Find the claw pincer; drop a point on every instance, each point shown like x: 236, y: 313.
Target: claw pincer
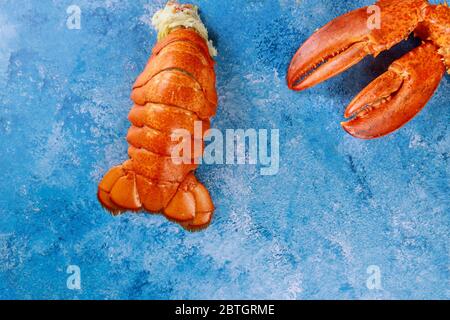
x: 398, y: 95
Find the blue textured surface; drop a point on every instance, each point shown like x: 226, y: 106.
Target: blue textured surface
x: 337, y: 206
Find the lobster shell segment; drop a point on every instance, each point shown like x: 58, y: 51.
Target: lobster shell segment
x: 185, y: 51
x: 436, y: 28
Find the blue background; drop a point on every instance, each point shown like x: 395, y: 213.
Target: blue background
x: 337, y: 206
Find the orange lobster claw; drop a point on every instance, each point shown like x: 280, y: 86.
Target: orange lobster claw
x: 397, y: 96
x: 346, y: 40
x: 331, y: 50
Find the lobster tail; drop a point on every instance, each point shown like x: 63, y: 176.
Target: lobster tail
x: 174, y: 92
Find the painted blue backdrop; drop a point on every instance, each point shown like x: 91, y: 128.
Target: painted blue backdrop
x: 338, y: 205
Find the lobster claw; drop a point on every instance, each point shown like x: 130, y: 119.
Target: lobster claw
x: 331, y: 50
x: 397, y: 96
x: 346, y: 40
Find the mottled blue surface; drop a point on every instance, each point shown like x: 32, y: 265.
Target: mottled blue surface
x: 337, y: 206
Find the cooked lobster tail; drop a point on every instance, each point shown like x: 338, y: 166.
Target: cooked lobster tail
x: 176, y: 90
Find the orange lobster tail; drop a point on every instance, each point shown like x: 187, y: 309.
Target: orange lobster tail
x: 176, y: 89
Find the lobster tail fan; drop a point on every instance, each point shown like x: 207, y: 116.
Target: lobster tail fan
x: 117, y: 191
x: 192, y: 205
x: 189, y: 204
